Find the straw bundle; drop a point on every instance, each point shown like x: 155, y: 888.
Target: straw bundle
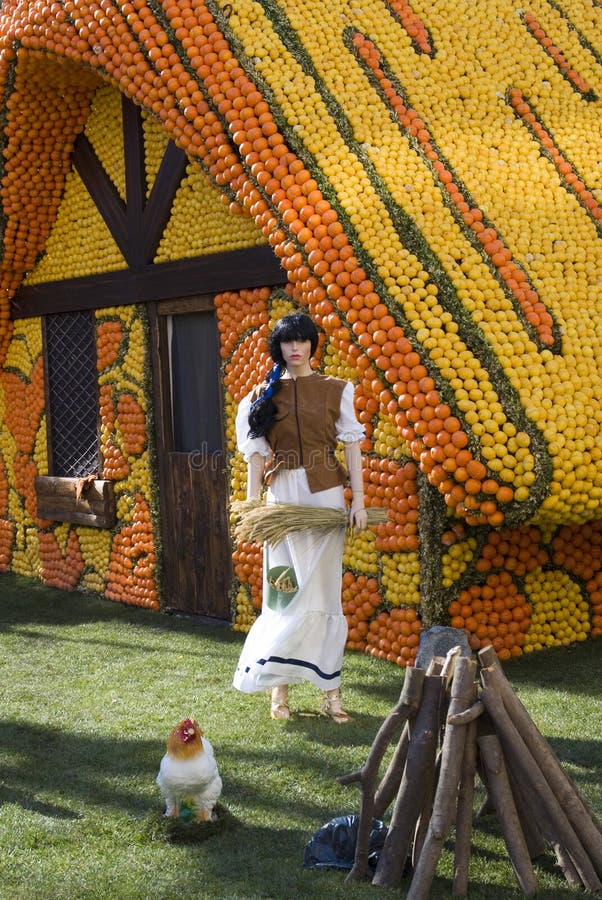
x: 258, y: 522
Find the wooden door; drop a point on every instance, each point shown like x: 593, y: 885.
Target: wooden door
x: 193, y: 478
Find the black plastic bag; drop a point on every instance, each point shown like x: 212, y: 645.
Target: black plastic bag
x: 333, y: 845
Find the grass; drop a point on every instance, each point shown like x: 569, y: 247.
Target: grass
x: 90, y: 692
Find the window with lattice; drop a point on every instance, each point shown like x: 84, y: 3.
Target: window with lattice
x: 72, y: 394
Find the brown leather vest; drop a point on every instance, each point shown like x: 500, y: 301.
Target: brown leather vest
x: 304, y: 434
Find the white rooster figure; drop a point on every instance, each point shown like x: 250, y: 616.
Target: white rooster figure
x: 188, y: 773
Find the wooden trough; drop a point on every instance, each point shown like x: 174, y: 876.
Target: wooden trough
x: 449, y: 728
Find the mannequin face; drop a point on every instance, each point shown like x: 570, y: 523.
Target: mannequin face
x: 296, y: 355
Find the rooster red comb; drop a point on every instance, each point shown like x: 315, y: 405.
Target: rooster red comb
x: 187, y: 729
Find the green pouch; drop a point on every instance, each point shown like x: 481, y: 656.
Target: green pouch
x: 282, y: 586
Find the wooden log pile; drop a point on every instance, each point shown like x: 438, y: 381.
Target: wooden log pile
x: 450, y: 728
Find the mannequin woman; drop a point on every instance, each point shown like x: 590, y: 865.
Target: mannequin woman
x: 293, y: 423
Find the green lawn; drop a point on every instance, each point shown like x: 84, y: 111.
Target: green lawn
x: 90, y: 690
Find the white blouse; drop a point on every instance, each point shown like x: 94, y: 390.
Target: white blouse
x: 348, y: 429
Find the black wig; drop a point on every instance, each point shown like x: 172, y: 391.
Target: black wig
x: 294, y: 327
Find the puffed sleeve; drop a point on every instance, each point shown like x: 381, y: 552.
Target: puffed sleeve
x: 348, y: 429
x: 248, y: 445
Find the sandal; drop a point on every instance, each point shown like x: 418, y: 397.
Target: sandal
x: 332, y: 707
x: 279, y: 708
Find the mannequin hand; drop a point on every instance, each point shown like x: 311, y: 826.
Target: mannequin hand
x: 358, y: 517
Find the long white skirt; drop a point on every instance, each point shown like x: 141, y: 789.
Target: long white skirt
x: 304, y: 641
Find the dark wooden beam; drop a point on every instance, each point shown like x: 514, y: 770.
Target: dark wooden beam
x: 247, y: 268
x: 135, y: 179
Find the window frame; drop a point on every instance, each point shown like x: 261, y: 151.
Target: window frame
x: 86, y: 498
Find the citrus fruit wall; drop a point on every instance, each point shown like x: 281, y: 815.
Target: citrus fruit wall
x: 429, y: 176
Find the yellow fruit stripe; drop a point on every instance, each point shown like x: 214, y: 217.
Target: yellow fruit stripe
x: 570, y: 31
x: 280, y: 307
x: 386, y: 440
x: 138, y: 477
x: 401, y: 578
x: 360, y: 553
x: 238, y: 476
x: 95, y: 546
x: 244, y: 613
x: 133, y: 366
x: 8, y: 449
x: 156, y: 140
x: 537, y: 239
x: 80, y: 242
x: 61, y: 534
x: 474, y: 283
x: 230, y: 408
x: 587, y: 17
x: 25, y: 347
x: 520, y: 170
x: 40, y: 450
x: 455, y: 562
x: 25, y: 560
x: 16, y: 512
x: 560, y: 613
x: 200, y: 223
x: 335, y: 364
x: 105, y: 133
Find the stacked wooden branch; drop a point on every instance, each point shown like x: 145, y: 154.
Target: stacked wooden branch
x: 448, y: 728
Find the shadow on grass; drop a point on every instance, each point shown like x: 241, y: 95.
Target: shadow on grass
x: 82, y: 769
x: 580, y: 664
x: 175, y: 831
x: 20, y: 798
x: 135, y: 645
x: 320, y: 729
x: 586, y: 756
x: 26, y: 601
